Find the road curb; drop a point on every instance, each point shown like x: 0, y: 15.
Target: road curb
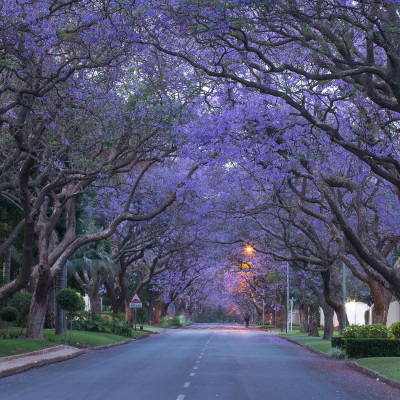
x: 373, y: 374
x: 28, y: 360
x: 39, y: 362
x: 351, y: 364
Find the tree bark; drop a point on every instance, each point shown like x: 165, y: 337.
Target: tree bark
x: 37, y: 312
x: 313, y: 320
x: 61, y: 316
x: 303, y: 311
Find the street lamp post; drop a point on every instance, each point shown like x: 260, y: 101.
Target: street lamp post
x: 287, y: 295
x: 263, y: 311
x: 344, y: 295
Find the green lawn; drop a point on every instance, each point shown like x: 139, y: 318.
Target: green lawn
x: 386, y: 366
x: 315, y: 342
x: 10, y: 347
x: 78, y: 338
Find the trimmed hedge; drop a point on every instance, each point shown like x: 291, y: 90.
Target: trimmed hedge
x: 338, y: 342
x: 370, y: 347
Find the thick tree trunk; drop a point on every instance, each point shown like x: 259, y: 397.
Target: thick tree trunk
x: 333, y: 293
x: 7, y: 267
x: 95, y: 306
x: 381, y: 298
x: 313, y: 320
x: 37, y: 312
x: 61, y: 316
x: 303, y: 311
x: 50, y: 320
x: 328, y: 324
x: 116, y: 304
x: 128, y: 313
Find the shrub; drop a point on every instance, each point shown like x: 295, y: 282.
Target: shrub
x: 358, y: 348
x: 337, y: 342
x: 336, y: 352
x: 86, y: 321
x: 366, y: 331
x: 22, y: 302
x: 70, y: 300
x: 395, y: 330
x: 9, y: 314
x: 353, y: 331
x: 376, y: 331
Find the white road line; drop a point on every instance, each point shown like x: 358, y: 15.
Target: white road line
x: 195, y: 367
x: 186, y: 385
x: 180, y: 397
x: 192, y: 374
x: 197, y: 362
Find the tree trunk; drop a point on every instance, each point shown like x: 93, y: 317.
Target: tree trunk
x: 50, y: 320
x: 328, y: 325
x: 116, y: 305
x: 128, y: 313
x: 37, y: 312
x: 381, y: 298
x: 95, y: 306
x: 303, y: 311
x: 61, y: 316
x: 313, y: 320
x: 7, y: 267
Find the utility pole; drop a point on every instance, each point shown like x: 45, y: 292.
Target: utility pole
x: 344, y: 294
x: 287, y: 295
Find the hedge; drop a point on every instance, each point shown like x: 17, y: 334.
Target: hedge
x: 371, y: 347
x: 338, y: 342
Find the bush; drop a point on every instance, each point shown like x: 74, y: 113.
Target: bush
x: 359, y: 348
x: 86, y: 321
x: 70, y: 300
x: 376, y: 331
x: 22, y: 302
x: 366, y: 331
x: 9, y: 314
x: 173, y: 321
x: 395, y: 330
x: 353, y: 331
x: 337, y: 342
x: 336, y: 352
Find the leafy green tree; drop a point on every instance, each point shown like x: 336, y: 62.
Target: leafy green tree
x: 8, y: 314
x: 71, y: 302
x: 22, y: 302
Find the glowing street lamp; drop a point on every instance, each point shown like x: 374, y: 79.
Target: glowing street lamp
x: 249, y: 249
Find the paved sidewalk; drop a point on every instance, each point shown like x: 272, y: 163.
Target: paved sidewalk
x: 15, y: 364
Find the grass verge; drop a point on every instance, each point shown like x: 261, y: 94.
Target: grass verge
x: 386, y: 366
x: 305, y: 340
x: 9, y: 347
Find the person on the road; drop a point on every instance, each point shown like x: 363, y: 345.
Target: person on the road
x: 247, y: 319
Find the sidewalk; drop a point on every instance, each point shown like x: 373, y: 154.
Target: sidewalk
x: 15, y: 364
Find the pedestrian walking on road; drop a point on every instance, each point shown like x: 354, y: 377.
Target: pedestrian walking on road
x: 247, y: 319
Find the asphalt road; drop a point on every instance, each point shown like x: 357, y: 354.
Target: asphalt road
x: 202, y: 362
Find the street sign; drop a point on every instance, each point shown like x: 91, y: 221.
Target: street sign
x: 135, y: 305
x: 135, y: 298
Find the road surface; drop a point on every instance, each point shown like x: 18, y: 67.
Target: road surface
x: 202, y: 362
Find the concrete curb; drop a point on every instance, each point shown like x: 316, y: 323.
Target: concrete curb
x: 351, y: 364
x: 373, y: 374
x: 23, y: 362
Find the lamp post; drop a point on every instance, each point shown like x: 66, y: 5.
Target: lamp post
x: 263, y: 311
x: 344, y: 295
x: 287, y: 295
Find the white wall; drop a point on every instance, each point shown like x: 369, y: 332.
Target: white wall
x: 355, y: 313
